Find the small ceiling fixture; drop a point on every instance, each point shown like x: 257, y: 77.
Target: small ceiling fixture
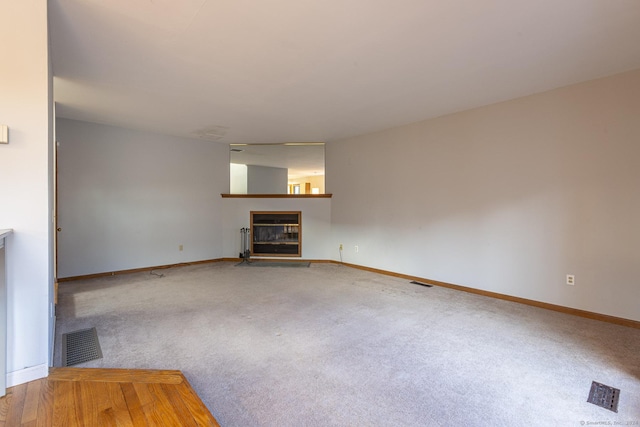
x: 212, y: 133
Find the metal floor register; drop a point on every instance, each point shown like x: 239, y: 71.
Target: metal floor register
x: 80, y: 346
x: 604, y: 396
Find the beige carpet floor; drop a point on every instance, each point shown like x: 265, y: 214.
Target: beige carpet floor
x: 334, y: 346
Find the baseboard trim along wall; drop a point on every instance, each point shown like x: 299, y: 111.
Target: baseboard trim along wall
x: 181, y: 264
x: 28, y: 374
x: 139, y: 270
x: 559, y: 308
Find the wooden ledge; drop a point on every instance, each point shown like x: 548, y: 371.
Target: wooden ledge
x: 148, y: 376
x: 277, y: 196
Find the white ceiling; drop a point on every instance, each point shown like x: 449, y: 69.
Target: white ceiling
x: 238, y: 71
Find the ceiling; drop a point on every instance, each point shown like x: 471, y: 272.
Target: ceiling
x: 238, y: 71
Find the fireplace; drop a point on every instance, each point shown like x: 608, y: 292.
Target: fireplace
x: 276, y: 233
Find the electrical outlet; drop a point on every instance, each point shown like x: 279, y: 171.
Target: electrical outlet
x: 180, y: 248
x: 571, y: 279
x: 357, y: 249
x: 340, y: 246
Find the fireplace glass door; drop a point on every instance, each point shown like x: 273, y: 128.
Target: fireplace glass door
x: 276, y: 233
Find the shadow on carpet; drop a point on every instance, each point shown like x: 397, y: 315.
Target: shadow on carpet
x: 273, y: 264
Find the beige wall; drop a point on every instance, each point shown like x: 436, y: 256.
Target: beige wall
x: 506, y: 198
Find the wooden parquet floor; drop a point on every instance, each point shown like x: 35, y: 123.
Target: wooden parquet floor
x: 86, y: 397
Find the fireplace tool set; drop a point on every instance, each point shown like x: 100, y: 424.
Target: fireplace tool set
x: 245, y: 243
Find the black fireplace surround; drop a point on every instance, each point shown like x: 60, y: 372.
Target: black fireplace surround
x: 276, y: 233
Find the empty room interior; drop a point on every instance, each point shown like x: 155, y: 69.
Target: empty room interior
x: 323, y: 213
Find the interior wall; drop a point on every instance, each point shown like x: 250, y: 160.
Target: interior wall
x: 238, y: 178
x: 266, y: 180
x: 129, y: 199
x: 316, y: 222
x: 506, y: 198
x: 24, y: 185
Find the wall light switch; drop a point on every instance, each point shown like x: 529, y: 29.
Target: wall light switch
x: 4, y: 134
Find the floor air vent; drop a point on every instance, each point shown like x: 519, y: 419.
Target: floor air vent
x: 421, y: 284
x: 80, y: 346
x: 604, y: 396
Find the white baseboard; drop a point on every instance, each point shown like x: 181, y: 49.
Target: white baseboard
x: 52, y: 339
x: 28, y: 374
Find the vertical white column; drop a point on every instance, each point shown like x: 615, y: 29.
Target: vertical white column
x: 3, y: 318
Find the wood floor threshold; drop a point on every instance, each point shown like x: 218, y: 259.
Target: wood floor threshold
x: 104, y: 397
